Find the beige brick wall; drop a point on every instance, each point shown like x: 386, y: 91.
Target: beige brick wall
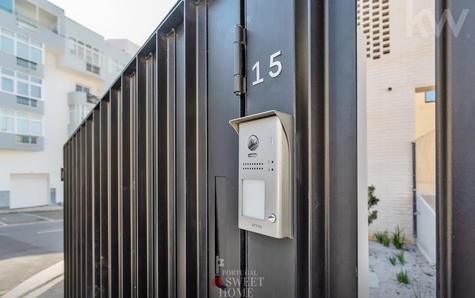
x: 391, y: 114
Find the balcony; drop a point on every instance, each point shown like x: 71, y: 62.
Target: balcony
x: 43, y: 24
x: 77, y: 98
x: 80, y: 103
x: 33, y: 24
x: 74, y: 63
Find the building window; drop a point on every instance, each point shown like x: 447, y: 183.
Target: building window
x: 92, y: 68
x: 430, y: 96
x: 21, y: 46
x: 72, y: 46
x: 27, y: 101
x: 7, y: 84
x: 26, y: 63
x: 90, y: 55
x: 84, y: 89
x: 7, y: 41
x: 6, y: 5
x: 22, y: 50
x: 20, y: 84
x: 22, y: 88
x: 7, y: 121
x: 17, y: 122
x: 26, y: 139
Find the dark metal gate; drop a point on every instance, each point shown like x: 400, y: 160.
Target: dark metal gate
x: 151, y: 175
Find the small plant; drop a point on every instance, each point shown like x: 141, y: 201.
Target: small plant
x: 392, y: 260
x: 400, y: 257
x: 379, y: 237
x: 382, y: 238
x: 372, y: 202
x: 386, y: 242
x: 402, y: 277
x: 398, y: 238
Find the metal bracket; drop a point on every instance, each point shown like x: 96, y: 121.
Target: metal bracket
x: 219, y: 263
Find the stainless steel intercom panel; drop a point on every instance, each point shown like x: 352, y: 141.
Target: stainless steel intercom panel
x: 265, y: 188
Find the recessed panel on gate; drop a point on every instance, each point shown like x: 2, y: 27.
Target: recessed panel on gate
x: 270, y: 61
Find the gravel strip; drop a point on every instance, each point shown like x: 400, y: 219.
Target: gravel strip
x: 383, y: 281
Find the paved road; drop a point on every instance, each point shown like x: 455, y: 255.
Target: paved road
x: 29, y: 243
x: 56, y: 291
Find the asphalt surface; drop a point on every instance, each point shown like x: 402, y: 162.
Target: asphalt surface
x: 29, y: 243
x: 56, y: 291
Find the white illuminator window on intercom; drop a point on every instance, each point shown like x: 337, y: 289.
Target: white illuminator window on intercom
x: 265, y: 188
x: 254, y: 198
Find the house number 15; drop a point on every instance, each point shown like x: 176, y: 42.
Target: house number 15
x: 275, y: 67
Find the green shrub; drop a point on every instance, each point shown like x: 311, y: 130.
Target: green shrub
x: 383, y: 238
x: 372, y: 201
x: 400, y: 257
x: 398, y: 238
x: 402, y: 277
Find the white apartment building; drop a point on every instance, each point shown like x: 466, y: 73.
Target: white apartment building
x: 400, y: 48
x: 52, y: 70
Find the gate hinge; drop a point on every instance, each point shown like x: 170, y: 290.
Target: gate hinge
x: 62, y: 174
x: 239, y: 48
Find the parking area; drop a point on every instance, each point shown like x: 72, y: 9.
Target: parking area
x: 29, y: 217
x: 30, y: 241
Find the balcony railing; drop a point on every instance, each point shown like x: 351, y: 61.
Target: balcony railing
x: 92, y: 99
x: 34, y: 24
x: 80, y: 98
x: 26, y: 20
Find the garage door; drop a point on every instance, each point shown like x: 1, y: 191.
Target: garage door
x: 28, y: 190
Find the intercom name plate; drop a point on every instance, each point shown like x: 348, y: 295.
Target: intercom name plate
x: 265, y: 192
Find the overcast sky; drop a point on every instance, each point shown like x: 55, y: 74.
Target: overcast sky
x: 131, y: 19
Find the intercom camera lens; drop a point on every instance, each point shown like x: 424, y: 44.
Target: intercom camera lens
x: 253, y: 142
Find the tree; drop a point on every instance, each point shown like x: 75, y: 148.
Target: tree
x: 372, y: 202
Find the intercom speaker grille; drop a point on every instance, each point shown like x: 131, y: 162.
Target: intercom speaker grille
x: 253, y: 166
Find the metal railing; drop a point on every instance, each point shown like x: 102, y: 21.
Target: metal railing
x: 34, y: 24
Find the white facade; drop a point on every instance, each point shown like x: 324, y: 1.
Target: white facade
x: 44, y: 95
x: 393, y: 77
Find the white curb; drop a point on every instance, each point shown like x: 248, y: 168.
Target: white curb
x: 42, y: 289
x: 36, y: 281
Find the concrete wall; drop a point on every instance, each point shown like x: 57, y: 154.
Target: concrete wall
x: 426, y: 220
x: 391, y: 114
x: 363, y: 248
